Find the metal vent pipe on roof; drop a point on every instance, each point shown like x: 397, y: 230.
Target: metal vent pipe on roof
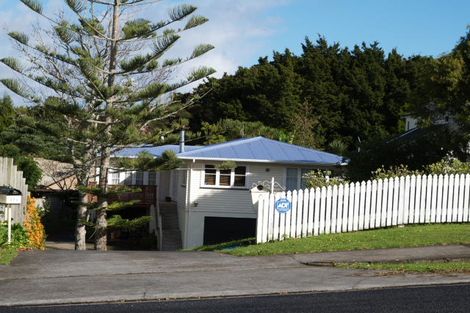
x: 182, y: 141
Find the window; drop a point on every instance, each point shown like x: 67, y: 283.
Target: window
x: 224, y: 177
x: 152, y: 178
x: 292, y: 179
x: 139, y: 178
x: 115, y: 178
x: 240, y: 176
x: 183, y: 178
x: 210, y: 175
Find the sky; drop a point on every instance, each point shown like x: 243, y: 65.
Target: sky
x: 244, y: 30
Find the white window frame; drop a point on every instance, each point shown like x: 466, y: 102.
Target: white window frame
x: 217, y: 178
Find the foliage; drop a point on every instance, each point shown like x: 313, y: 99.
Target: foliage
x: 393, y: 171
x: 449, y: 165
x: 7, y: 112
x: 19, y: 236
x: 7, y: 254
x: 226, y: 165
x: 325, y: 93
x: 34, y: 226
x: 320, y: 178
x: 229, y: 129
x: 440, y: 267
x: 415, y: 149
x: 117, y: 222
x: 395, y: 237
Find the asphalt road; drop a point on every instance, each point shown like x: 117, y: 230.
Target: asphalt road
x: 443, y: 298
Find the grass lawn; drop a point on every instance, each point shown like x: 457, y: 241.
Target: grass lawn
x: 413, y: 267
x: 7, y: 254
x: 396, y: 237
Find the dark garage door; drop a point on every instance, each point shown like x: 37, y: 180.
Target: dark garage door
x: 224, y: 229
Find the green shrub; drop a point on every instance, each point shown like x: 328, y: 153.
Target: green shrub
x: 394, y: 171
x: 449, y: 165
x: 319, y: 178
x: 19, y: 235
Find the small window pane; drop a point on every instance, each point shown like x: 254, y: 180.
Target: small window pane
x: 291, y: 179
x: 239, y: 181
x: 152, y: 178
x: 210, y: 169
x: 240, y: 170
x: 224, y: 180
x: 209, y: 176
x: 139, y: 178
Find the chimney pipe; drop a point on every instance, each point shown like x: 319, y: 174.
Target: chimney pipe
x: 182, y: 141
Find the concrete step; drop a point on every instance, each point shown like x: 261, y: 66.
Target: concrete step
x: 171, y: 240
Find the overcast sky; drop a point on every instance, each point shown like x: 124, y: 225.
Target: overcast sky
x: 244, y: 30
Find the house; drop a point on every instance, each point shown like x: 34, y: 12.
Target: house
x: 213, y: 203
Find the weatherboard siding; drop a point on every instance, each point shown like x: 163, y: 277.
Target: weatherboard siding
x: 222, y: 202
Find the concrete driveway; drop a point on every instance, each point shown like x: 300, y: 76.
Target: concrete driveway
x: 61, y: 276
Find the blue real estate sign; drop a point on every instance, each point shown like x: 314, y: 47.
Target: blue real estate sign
x: 283, y: 205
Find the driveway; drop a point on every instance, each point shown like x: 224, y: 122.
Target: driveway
x: 61, y: 276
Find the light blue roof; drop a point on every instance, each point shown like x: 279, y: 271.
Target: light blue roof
x: 132, y: 152
x: 260, y: 149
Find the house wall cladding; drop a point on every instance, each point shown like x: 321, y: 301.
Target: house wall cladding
x: 366, y: 205
x: 223, y: 202
x: 11, y: 176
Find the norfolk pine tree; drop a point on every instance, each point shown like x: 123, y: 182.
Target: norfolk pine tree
x: 107, y: 74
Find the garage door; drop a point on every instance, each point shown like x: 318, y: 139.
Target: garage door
x: 224, y: 229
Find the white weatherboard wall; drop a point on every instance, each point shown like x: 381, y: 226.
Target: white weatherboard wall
x: 220, y: 202
x: 366, y: 205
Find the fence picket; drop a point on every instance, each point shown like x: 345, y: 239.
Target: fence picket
x: 440, y: 190
x: 379, y: 203
x: 401, y: 200
x: 293, y: 214
x: 339, y: 214
x: 362, y: 206
x: 406, y: 203
x: 466, y: 205
x: 373, y: 204
x: 334, y: 208
x: 357, y: 195
x: 455, y: 205
x: 328, y: 210
x: 311, y: 212
x: 434, y: 185
x: 298, y: 224
x: 322, y: 210
x: 304, y: 230
x: 345, y: 213
x: 383, y: 214
x: 316, y: 220
x: 461, y: 197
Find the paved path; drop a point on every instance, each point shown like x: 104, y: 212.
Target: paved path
x: 61, y: 276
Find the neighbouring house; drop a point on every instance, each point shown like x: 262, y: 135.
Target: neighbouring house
x: 204, y: 202
x: 57, y: 193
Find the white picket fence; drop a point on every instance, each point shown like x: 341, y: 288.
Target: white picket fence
x: 365, y: 205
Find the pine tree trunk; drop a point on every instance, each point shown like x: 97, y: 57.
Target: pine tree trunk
x: 101, y: 223
x: 80, y: 230
x: 101, y: 232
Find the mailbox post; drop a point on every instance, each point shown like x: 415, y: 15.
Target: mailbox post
x: 9, y: 196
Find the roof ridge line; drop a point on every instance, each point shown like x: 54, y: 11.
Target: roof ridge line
x: 217, y: 145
